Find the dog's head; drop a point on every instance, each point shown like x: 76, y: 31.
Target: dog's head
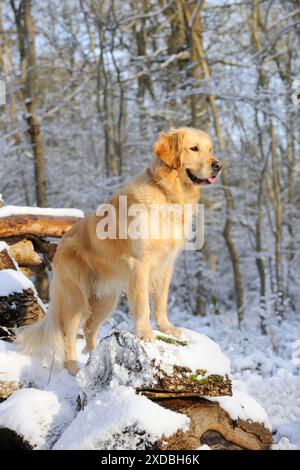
x: 190, y: 153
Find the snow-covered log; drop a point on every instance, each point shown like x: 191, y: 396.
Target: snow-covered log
x: 19, y: 302
x: 33, y: 419
x: 206, y: 416
x: 193, y: 365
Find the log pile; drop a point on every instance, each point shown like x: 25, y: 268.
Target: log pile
x: 32, y: 235
x: 177, y: 388
x: 123, y: 364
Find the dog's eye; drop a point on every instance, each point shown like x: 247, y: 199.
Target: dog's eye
x: 194, y: 149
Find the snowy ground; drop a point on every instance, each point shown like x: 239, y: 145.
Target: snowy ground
x: 267, y: 370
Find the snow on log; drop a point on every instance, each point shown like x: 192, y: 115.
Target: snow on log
x: 9, y: 210
x: 33, y: 419
x: 119, y: 419
x: 19, y: 302
x: 193, y: 365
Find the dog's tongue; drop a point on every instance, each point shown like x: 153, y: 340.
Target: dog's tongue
x: 212, y: 179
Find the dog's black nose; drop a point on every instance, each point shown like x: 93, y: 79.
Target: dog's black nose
x: 216, y: 165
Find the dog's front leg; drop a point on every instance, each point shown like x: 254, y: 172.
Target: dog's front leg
x: 160, y: 284
x: 138, y: 298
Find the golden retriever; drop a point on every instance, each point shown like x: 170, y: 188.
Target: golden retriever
x: 90, y: 272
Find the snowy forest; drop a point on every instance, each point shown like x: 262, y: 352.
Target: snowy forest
x: 89, y: 84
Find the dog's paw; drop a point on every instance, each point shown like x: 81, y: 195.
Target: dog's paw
x: 170, y: 330
x: 72, y: 367
x: 147, y: 336
x: 85, y: 350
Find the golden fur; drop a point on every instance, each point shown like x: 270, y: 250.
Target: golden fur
x: 89, y: 274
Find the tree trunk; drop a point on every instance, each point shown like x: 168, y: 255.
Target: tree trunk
x: 31, y: 106
x: 227, y: 192
x: 278, y: 224
x: 6, y: 63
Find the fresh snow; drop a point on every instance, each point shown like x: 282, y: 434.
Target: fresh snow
x: 26, y: 210
x: 241, y: 405
x: 200, y: 352
x: 106, y: 421
x: 12, y: 281
x: 3, y: 246
x: 38, y: 415
x: 124, y: 360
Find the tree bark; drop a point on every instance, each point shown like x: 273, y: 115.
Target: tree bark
x: 227, y: 192
x: 31, y: 106
x: 36, y: 225
x: 17, y: 308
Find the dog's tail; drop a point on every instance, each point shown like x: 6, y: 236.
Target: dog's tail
x: 42, y: 338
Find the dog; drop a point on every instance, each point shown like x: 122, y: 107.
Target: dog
x: 91, y: 272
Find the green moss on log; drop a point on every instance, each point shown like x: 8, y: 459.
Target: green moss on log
x: 166, y: 339
x: 194, y: 378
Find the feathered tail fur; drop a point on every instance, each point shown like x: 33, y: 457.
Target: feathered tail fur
x: 43, y: 337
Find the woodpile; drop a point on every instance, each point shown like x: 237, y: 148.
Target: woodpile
x: 122, y: 362
x: 33, y: 237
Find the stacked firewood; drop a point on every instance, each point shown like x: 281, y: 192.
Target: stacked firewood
x: 28, y: 243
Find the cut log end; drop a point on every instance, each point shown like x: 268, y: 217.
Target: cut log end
x: 206, y: 416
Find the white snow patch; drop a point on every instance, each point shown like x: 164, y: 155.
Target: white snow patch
x: 12, y: 281
x: 285, y: 444
x: 200, y: 352
x: 241, y: 405
x: 102, y: 423
x: 4, y: 246
x: 38, y: 415
x: 29, y: 371
x: 26, y: 210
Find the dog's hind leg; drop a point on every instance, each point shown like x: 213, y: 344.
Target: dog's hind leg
x: 71, y: 307
x: 100, y: 309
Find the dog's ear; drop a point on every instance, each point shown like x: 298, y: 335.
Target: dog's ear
x: 168, y: 148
